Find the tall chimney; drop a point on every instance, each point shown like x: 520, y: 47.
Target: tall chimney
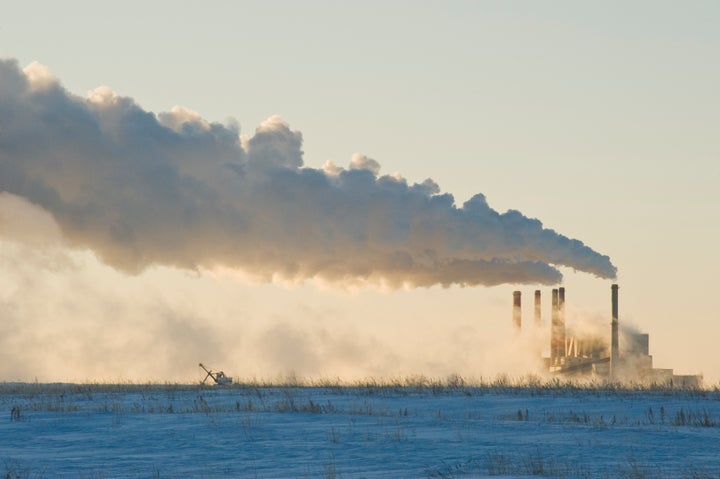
x: 517, y: 310
x: 614, y: 349
x: 554, y: 328
x: 538, y: 311
x: 561, y: 322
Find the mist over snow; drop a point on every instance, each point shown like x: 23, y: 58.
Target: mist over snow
x: 140, y: 189
x: 67, y: 317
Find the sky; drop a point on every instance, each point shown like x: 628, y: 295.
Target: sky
x: 351, y: 189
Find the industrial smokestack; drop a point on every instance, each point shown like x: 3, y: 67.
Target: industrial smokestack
x: 554, y: 328
x: 561, y: 322
x: 538, y: 311
x: 517, y: 310
x: 614, y: 344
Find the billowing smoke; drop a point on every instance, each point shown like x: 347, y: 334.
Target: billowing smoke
x: 140, y: 189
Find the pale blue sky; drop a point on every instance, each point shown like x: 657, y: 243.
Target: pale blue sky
x: 600, y: 119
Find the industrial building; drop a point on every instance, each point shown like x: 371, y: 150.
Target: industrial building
x: 622, y: 357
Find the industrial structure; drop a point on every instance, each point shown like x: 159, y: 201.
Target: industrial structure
x: 593, y: 355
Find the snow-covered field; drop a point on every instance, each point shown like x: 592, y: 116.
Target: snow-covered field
x: 98, y: 431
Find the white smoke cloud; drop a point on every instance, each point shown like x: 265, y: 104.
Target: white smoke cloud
x: 39, y: 76
x: 362, y: 162
x: 172, y: 189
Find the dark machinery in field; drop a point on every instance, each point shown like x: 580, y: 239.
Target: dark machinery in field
x: 218, y: 377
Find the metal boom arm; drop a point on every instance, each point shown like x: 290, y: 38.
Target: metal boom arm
x: 209, y: 374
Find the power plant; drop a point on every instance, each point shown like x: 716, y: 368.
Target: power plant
x: 624, y: 357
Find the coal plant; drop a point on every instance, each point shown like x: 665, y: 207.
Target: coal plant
x: 623, y: 357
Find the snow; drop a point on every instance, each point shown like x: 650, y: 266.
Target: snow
x: 355, y: 432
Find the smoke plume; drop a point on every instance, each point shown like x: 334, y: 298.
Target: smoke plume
x: 140, y: 189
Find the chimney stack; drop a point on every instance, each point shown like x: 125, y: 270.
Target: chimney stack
x: 538, y: 311
x: 614, y: 349
x: 554, y: 328
x: 561, y: 322
x: 517, y: 310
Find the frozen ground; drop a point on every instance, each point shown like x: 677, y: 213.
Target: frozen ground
x: 101, y: 431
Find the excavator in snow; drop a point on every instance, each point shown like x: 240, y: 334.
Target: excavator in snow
x: 218, y: 377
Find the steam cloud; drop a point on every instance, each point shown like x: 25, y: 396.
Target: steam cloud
x: 172, y: 189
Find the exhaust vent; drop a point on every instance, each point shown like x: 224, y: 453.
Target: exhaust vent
x: 614, y: 343
x: 517, y: 310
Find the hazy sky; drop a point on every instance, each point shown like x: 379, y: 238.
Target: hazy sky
x: 599, y: 120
